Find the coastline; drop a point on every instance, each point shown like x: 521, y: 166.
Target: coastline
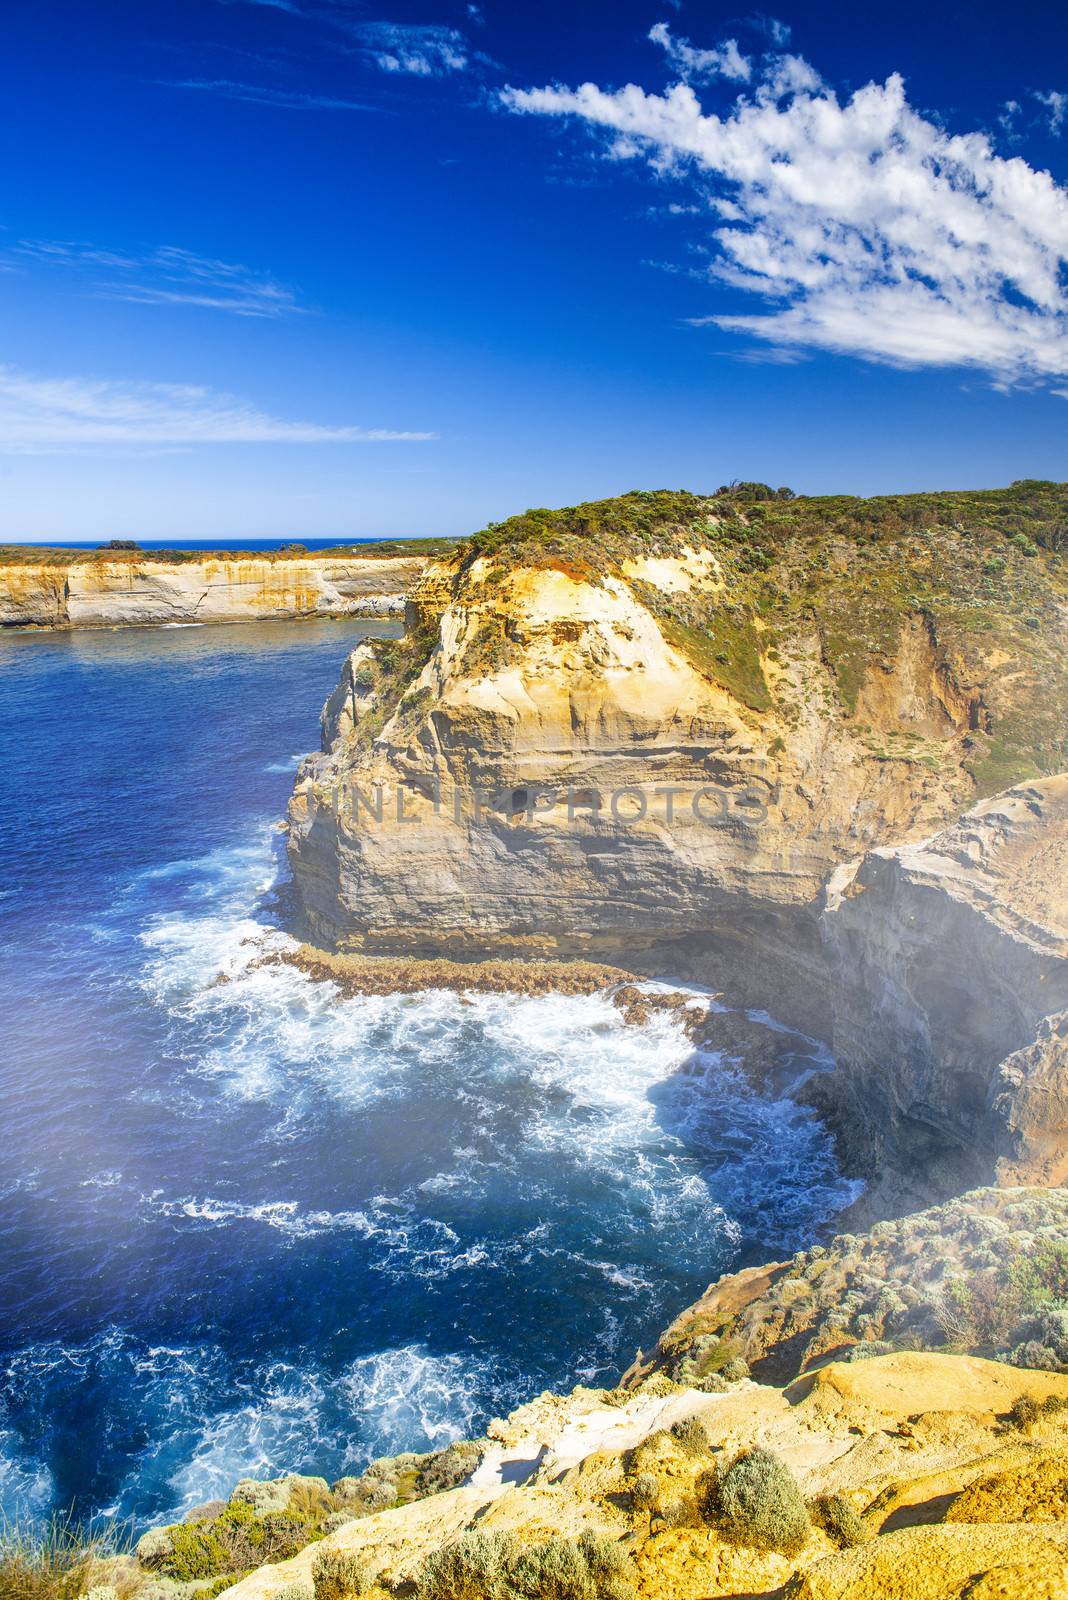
x: 125, y: 590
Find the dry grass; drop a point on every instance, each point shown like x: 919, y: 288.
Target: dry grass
x: 61, y: 1561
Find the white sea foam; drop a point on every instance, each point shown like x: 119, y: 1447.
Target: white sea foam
x: 209, y: 1423
x: 634, y: 1105
x: 295, y: 1419
x: 26, y: 1485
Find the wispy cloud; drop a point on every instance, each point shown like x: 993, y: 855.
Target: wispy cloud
x: 1056, y: 107
x: 423, y: 51
x: 865, y: 227
x: 701, y: 66
x: 270, y: 5
x: 167, y: 276
x: 41, y: 416
x: 777, y: 31
x: 259, y: 94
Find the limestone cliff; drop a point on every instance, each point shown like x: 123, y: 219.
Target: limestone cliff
x: 944, y: 959
x: 709, y: 738
x: 123, y: 592
x: 777, y: 686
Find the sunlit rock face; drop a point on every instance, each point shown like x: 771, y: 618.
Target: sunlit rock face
x: 692, y: 754
x: 116, y: 593
x: 583, y: 786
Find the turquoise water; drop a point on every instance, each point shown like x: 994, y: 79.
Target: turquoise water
x: 253, y: 1227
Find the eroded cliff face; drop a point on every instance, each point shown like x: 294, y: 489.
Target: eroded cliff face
x: 118, y: 593
x: 945, y: 959
x: 565, y: 761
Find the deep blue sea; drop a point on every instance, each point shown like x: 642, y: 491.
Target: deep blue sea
x: 250, y: 1227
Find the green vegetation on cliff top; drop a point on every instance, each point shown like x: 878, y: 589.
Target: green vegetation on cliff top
x: 1030, y: 512
x: 974, y: 583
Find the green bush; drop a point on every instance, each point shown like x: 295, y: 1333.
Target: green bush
x: 196, y: 1552
x: 756, y: 1502
x: 450, y: 1467
x: 607, y: 1565
x: 336, y: 1574
x: 555, y: 1570
x: 838, y: 1517
x: 488, y: 1566
x: 691, y: 1436
x: 645, y: 1491
x: 474, y: 1568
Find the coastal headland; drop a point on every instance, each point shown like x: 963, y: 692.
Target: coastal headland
x: 109, y: 588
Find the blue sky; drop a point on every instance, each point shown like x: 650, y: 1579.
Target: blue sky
x: 312, y: 267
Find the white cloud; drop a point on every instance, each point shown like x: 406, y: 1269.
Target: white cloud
x: 424, y: 52
x: 864, y: 226
x: 258, y: 94
x: 55, y: 415
x: 167, y: 276
x: 701, y: 66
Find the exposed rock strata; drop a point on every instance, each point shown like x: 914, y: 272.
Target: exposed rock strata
x: 945, y: 957
x: 487, y: 781
x: 785, y: 814
x: 241, y: 588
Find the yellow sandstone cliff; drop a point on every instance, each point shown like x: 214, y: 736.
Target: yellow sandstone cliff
x: 128, y: 592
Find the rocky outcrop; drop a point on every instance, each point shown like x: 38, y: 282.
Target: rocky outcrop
x: 945, y: 958
x: 1030, y: 1108
x: 911, y: 1459
x: 984, y: 1273
x: 674, y: 750
x: 596, y: 793
x: 608, y: 743
x: 126, y: 592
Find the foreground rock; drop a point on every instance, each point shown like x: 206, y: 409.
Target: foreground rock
x: 941, y: 1485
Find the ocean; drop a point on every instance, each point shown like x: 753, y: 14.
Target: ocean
x: 248, y: 1226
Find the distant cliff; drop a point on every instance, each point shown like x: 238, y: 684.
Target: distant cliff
x: 130, y: 589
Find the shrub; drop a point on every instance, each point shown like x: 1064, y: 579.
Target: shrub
x: 735, y: 1369
x: 489, y: 1566
x: 838, y: 1517
x: 594, y: 1568
x: 1026, y: 1411
x: 555, y: 1570
x: 474, y: 1568
x: 337, y: 1574
x: 757, y: 1503
x: 339, y: 1519
x: 607, y: 1565
x: 196, y: 1552
x: 645, y: 1491
x: 294, y: 1591
x: 448, y: 1468
x: 691, y: 1436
